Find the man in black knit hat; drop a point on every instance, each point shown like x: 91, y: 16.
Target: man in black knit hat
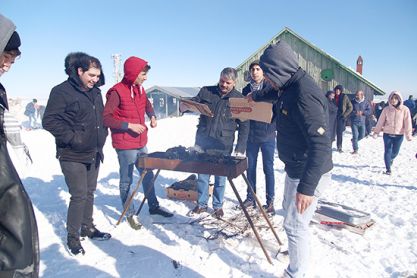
x: 19, y: 248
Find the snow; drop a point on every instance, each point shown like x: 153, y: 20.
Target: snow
x: 388, y: 249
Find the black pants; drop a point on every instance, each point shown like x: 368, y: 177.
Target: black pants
x: 81, y: 180
x: 340, y: 128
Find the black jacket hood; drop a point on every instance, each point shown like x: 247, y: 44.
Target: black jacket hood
x: 279, y: 63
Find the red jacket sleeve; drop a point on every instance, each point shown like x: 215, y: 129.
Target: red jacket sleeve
x: 113, y: 101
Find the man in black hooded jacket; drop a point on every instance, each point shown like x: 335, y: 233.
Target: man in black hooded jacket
x: 303, y: 145
x: 74, y: 116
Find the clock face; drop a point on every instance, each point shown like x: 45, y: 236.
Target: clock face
x: 327, y: 74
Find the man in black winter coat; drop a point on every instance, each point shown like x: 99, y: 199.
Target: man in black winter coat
x: 262, y: 137
x: 19, y: 242
x: 216, y: 135
x: 303, y: 145
x: 74, y: 116
x: 344, y: 108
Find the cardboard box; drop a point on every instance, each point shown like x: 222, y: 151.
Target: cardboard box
x: 197, y: 107
x: 186, y: 189
x: 242, y: 109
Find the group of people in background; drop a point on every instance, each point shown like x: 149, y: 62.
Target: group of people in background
x: 305, y: 123
x: 34, y: 111
x: 394, y: 119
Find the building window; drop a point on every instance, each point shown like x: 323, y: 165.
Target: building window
x: 161, y: 102
x: 174, y: 100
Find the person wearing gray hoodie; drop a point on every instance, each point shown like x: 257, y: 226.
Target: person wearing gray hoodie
x: 303, y: 145
x: 19, y: 243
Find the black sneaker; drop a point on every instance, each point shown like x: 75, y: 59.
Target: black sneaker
x: 354, y: 152
x: 94, y: 233
x: 159, y: 211
x: 387, y: 172
x: 74, y: 245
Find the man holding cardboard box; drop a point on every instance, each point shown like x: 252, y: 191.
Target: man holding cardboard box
x: 216, y: 134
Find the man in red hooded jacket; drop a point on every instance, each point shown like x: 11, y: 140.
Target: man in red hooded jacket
x: 124, y: 114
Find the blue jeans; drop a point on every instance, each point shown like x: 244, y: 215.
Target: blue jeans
x: 32, y: 120
x: 296, y: 225
x: 392, y: 144
x: 358, y: 133
x: 268, y: 150
x: 128, y: 159
x: 203, y: 190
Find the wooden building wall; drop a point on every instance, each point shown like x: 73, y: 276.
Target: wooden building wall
x: 313, y: 62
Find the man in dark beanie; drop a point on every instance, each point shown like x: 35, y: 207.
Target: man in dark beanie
x: 19, y: 248
x: 344, y: 108
x: 303, y: 145
x: 14, y: 43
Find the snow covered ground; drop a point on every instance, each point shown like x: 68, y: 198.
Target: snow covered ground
x: 388, y: 249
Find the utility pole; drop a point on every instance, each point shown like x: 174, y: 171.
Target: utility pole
x: 116, y: 67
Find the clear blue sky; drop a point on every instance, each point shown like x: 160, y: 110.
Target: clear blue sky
x: 188, y: 42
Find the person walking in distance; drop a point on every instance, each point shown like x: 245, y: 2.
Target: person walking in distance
x: 344, y: 108
x: 332, y: 115
x: 395, y: 123
x: 361, y: 109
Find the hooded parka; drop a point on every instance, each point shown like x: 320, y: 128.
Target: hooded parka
x: 131, y: 107
x: 302, y: 117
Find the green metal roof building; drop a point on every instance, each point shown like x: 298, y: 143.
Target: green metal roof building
x: 326, y: 70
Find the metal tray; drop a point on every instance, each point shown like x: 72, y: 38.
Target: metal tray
x: 343, y: 213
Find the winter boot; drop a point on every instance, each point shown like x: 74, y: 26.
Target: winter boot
x: 249, y: 203
x: 197, y: 210
x: 134, y: 223
x: 74, y: 245
x: 94, y: 233
x: 159, y: 211
x: 269, y: 209
x: 218, y: 212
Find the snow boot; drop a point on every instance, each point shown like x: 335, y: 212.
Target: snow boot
x: 159, y: 211
x: 74, y: 245
x: 269, y: 209
x: 94, y: 233
x: 134, y: 223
